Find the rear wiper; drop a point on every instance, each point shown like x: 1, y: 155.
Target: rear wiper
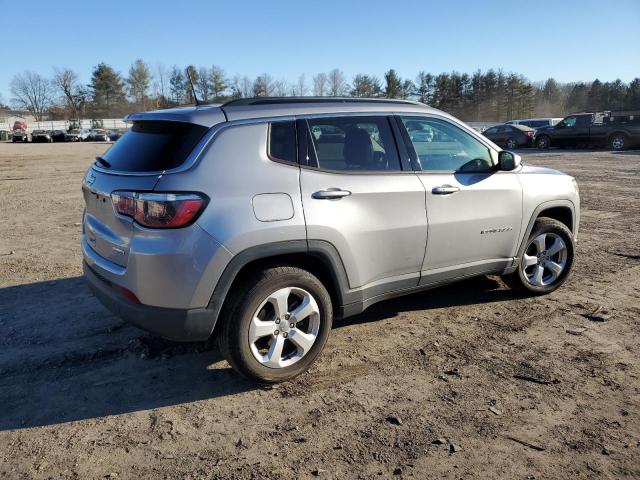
x: 103, y: 162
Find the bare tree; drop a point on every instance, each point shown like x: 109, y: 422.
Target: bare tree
x: 320, y: 85
x: 203, y: 85
x: 32, y: 92
x: 67, y: 82
x: 218, y: 82
x: 263, y: 86
x: 337, y: 83
x: 162, y: 81
x: 300, y: 87
x: 280, y: 88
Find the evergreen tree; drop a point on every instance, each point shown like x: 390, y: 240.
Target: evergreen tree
x: 393, y: 87
x: 176, y: 85
x: 107, y: 91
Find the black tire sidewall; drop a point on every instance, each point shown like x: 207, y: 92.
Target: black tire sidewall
x: 548, y: 225
x: 235, y: 334
x: 624, y: 142
x: 514, y: 141
x: 547, y: 142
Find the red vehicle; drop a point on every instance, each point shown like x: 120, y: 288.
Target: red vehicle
x: 19, y: 125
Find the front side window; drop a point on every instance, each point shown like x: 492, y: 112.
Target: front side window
x: 447, y: 147
x: 353, y: 144
x: 492, y: 131
x: 569, y: 121
x: 282, y: 141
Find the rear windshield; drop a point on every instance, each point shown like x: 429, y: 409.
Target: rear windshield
x: 153, y: 146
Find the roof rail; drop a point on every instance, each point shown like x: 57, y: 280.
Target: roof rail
x: 241, y: 102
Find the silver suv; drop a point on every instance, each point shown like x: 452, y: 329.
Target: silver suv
x: 261, y: 220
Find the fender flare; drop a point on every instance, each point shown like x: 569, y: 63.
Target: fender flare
x: 322, y: 250
x: 536, y: 213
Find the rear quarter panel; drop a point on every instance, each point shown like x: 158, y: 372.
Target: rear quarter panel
x: 232, y: 170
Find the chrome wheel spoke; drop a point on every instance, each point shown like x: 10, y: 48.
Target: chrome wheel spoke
x: 259, y: 329
x: 538, y: 274
x: 556, y: 247
x: 555, y: 268
x: 280, y: 300
x: 273, y: 358
x: 303, y: 341
x: 307, y: 307
x: 529, y: 260
x: 540, y: 242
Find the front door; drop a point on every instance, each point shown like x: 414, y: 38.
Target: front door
x: 357, y: 196
x: 474, y: 211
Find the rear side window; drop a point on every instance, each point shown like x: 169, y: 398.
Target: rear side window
x: 353, y: 144
x: 153, y: 146
x: 282, y: 142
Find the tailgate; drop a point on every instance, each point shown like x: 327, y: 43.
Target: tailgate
x: 106, y: 233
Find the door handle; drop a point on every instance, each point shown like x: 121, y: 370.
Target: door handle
x: 330, y: 193
x: 444, y: 190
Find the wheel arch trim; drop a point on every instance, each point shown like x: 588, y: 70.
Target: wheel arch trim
x: 319, y: 249
x: 568, y: 204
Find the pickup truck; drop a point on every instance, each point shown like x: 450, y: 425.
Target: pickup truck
x: 616, y: 130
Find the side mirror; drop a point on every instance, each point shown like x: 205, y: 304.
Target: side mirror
x: 560, y: 125
x: 508, y: 160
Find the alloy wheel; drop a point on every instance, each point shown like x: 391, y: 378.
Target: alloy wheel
x: 544, y: 260
x: 284, y: 327
x: 617, y: 143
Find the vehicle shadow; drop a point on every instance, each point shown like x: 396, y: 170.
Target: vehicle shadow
x: 64, y: 358
x: 473, y: 291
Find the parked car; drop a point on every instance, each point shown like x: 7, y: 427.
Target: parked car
x: 97, y: 135
x: 264, y: 219
x: 20, y: 125
x: 41, y: 136
x: 77, y: 135
x: 617, y: 130
x: 115, y: 135
x: 535, y: 122
x: 20, y: 135
x: 510, y: 136
x: 59, y: 136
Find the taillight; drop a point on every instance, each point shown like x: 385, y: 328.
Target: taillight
x: 529, y: 134
x: 159, y: 210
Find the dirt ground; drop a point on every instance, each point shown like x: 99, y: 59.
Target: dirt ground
x: 466, y: 381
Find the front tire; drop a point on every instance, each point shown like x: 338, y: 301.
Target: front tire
x: 276, y: 324
x: 547, y: 258
x: 617, y: 142
x: 543, y: 142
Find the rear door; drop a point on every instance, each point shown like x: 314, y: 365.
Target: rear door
x: 133, y: 163
x: 358, y: 195
x: 474, y: 211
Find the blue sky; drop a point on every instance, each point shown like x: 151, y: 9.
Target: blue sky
x: 569, y: 40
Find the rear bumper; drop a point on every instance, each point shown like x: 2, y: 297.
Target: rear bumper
x: 182, y: 325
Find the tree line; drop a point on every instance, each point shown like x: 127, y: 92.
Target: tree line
x: 492, y: 95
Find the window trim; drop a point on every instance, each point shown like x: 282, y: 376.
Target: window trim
x: 414, y: 156
x: 311, y: 159
x: 275, y: 159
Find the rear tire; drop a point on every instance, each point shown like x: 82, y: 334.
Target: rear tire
x: 512, y: 143
x: 543, y: 142
x: 257, y: 337
x: 546, y: 261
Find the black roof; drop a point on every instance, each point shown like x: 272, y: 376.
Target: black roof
x: 290, y: 100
